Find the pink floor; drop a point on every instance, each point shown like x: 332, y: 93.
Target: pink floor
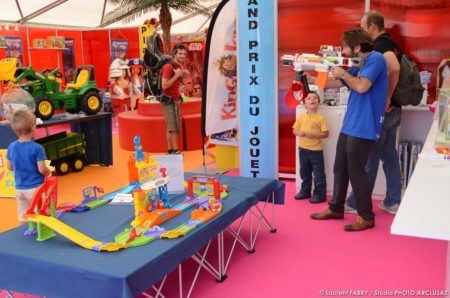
x: 305, y: 257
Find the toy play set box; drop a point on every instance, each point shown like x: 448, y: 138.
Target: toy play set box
x: 55, y: 42
x: 443, y: 137
x: 443, y: 101
x: 39, y: 43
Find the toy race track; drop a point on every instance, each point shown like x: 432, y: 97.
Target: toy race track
x: 103, y: 200
x: 151, y: 206
x: 72, y: 234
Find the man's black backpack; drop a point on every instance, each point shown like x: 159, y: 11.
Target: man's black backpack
x: 409, y: 90
x: 154, y: 59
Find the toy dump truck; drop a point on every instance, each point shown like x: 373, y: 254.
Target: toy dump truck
x: 66, y: 150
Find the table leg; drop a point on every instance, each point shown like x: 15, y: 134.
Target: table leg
x: 447, y: 277
x: 180, y: 280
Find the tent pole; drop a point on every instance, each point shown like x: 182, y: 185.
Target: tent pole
x: 82, y: 48
x: 28, y: 42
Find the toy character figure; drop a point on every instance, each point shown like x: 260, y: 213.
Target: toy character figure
x: 138, y: 149
x: 227, y: 65
x: 214, y: 205
x: 444, y: 74
x: 159, y: 204
x: 120, y: 86
x: 137, y: 82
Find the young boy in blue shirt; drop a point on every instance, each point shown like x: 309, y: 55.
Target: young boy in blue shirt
x: 27, y: 159
x: 310, y: 128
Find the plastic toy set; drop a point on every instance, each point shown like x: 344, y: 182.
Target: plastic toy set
x: 149, y: 190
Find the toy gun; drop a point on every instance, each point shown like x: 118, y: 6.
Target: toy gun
x: 321, y: 64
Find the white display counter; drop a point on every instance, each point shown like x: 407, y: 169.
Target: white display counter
x: 416, y: 122
x: 424, y: 211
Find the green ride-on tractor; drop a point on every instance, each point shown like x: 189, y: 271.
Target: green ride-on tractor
x: 80, y: 95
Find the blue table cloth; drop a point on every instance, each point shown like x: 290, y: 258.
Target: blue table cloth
x: 60, y: 268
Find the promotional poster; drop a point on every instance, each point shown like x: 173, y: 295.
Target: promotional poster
x: 119, y: 48
x: 14, y: 48
x: 6, y: 178
x: 69, y: 61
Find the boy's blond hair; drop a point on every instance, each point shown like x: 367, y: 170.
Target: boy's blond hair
x: 22, y: 122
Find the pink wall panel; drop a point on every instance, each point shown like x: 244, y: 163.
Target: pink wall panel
x: 420, y: 27
x: 302, y: 27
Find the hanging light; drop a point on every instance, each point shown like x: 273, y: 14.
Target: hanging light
x: 6, y: 27
x: 16, y: 27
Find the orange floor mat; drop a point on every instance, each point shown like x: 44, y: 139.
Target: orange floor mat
x: 109, y: 178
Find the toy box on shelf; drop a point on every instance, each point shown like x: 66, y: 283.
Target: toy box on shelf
x: 443, y: 137
x: 335, y: 96
x: 39, y: 43
x: 56, y: 42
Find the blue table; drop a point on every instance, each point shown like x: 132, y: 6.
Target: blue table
x: 7, y: 135
x: 97, y: 130
x: 60, y: 268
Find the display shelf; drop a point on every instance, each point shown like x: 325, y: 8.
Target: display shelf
x: 62, y: 49
x: 416, y: 108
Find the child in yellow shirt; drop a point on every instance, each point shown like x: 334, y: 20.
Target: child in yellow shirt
x: 310, y: 128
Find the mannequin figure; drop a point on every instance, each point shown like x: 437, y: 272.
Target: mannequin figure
x: 137, y: 82
x: 119, y: 87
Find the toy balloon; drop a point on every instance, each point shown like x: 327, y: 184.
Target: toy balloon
x: 15, y: 99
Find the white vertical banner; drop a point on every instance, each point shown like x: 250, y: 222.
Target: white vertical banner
x: 258, y: 87
x: 220, y: 111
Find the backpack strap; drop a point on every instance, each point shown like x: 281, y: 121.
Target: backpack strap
x: 399, y: 48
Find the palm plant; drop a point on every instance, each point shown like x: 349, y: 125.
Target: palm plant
x: 128, y: 10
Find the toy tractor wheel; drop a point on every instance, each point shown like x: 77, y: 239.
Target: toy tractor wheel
x: 62, y: 167
x: 44, y: 108
x: 91, y: 102
x: 78, y: 164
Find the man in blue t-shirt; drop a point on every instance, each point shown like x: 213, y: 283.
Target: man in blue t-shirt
x: 361, y: 128
x: 385, y: 149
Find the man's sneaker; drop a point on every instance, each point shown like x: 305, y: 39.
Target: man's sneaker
x: 302, y: 196
x: 391, y: 209
x: 316, y: 200
x: 348, y: 209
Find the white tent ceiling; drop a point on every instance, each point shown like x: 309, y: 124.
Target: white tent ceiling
x: 87, y: 14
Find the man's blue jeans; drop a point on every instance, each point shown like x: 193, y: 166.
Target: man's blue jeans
x: 385, y: 149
